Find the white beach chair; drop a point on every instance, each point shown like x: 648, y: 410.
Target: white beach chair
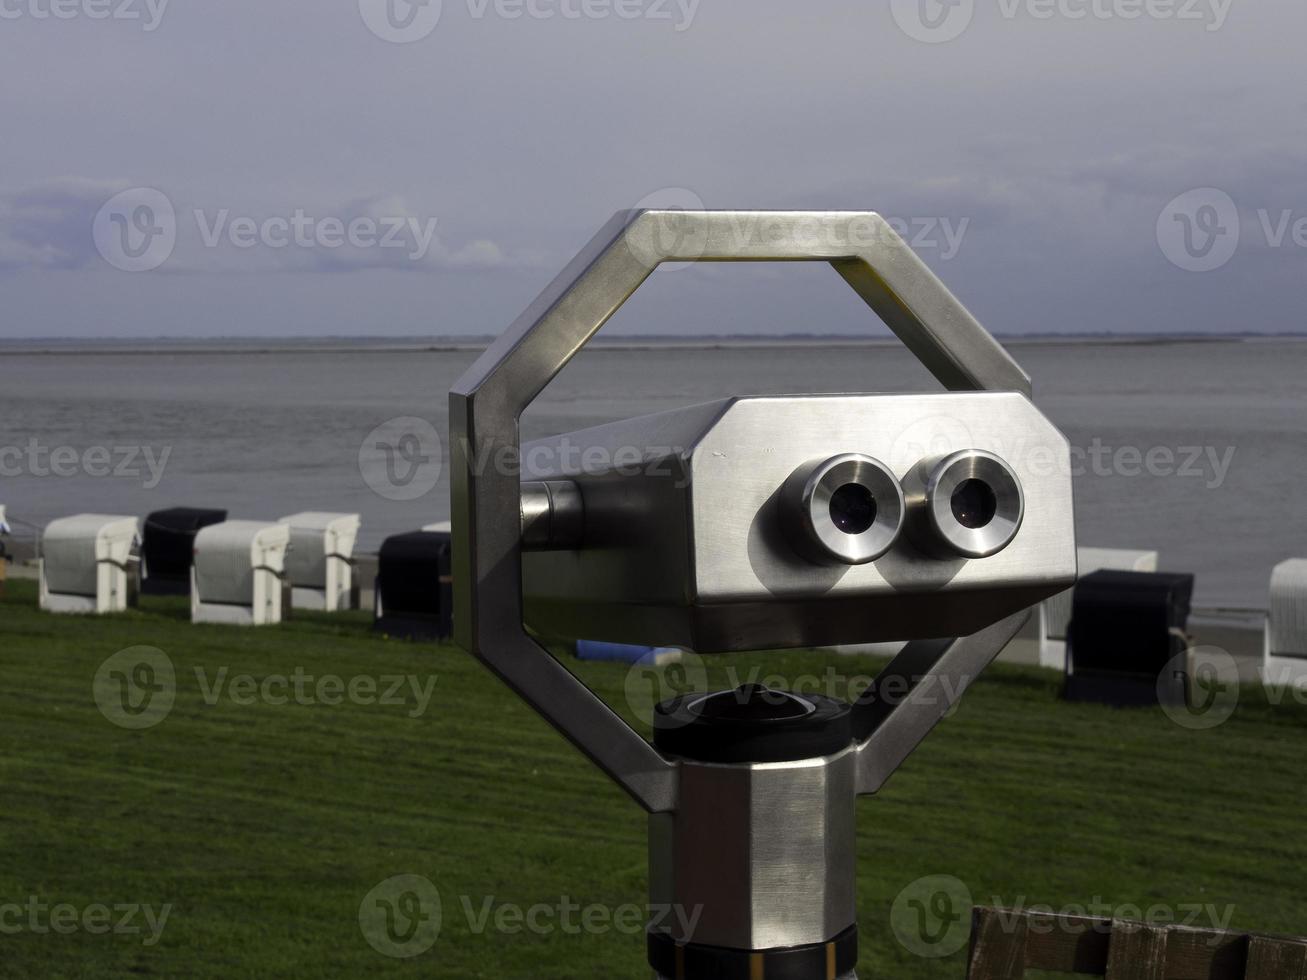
x: 1055, y: 612
x: 86, y: 564
x: 237, y: 574
x: 319, y: 563
x: 1285, y: 657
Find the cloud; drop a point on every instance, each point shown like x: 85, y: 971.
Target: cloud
x: 403, y: 239
x: 51, y: 226
x: 48, y: 226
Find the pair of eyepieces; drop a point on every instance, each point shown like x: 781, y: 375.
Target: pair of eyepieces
x: 851, y: 509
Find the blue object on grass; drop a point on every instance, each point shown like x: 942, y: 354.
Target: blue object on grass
x: 620, y: 652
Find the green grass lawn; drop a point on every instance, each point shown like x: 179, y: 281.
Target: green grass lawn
x: 263, y: 826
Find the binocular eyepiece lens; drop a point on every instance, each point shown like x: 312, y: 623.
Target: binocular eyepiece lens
x: 850, y: 509
x: 846, y: 510
x: 974, y: 504
x: 853, y: 508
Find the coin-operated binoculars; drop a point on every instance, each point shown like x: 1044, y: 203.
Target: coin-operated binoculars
x: 757, y: 523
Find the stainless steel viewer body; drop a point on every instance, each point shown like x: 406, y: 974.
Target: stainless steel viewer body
x: 757, y: 523
x: 685, y: 539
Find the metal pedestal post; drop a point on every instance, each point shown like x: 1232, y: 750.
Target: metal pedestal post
x: 754, y: 874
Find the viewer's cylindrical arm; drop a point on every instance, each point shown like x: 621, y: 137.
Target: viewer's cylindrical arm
x: 553, y: 516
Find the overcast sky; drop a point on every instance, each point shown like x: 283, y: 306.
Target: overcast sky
x: 280, y: 167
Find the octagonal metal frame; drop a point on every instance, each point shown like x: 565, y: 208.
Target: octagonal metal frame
x: 486, y: 404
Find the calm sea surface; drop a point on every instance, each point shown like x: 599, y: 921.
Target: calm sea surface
x: 1197, y: 449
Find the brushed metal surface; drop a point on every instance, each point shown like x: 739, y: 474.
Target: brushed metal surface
x: 758, y: 857
x: 688, y: 546
x: 553, y: 516
x: 914, y: 693
x: 486, y: 403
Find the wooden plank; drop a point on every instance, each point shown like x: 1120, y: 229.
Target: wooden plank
x: 998, y: 945
x: 1276, y: 959
x: 1067, y: 943
x: 1137, y: 952
x: 1004, y: 944
x: 1205, y: 954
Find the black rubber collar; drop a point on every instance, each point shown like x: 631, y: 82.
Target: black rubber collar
x: 677, y: 961
x: 752, y: 724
